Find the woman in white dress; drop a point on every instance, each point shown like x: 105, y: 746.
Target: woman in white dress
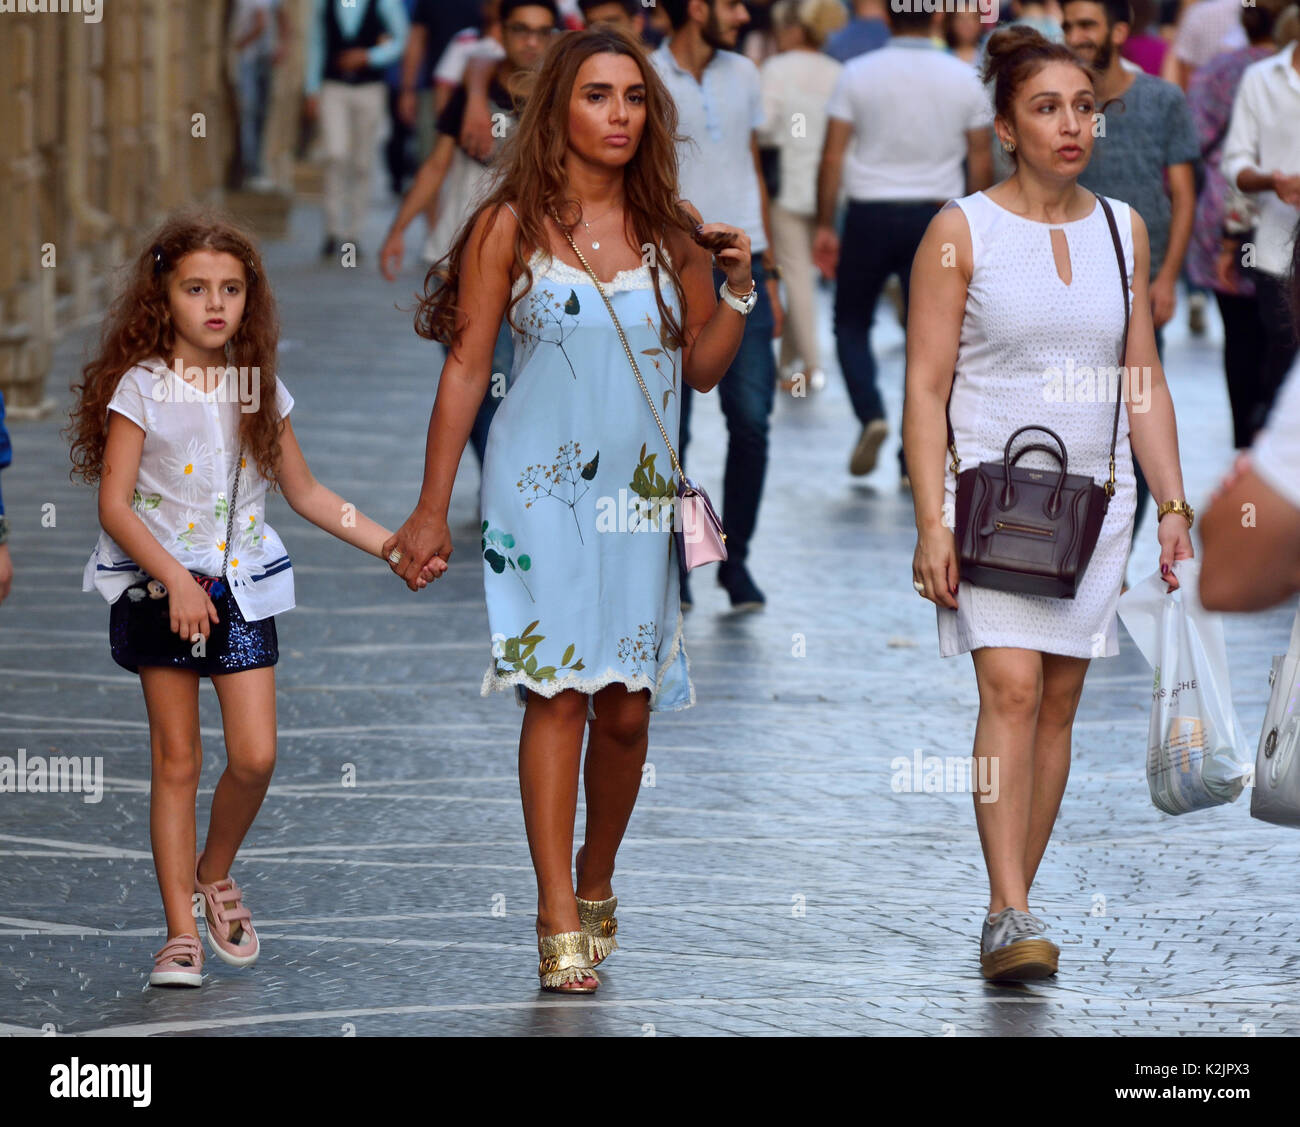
x: 1017, y: 291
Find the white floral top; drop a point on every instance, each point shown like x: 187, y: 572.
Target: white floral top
x: 181, y: 492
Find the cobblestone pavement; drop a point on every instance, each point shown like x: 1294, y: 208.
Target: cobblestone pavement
x: 773, y: 879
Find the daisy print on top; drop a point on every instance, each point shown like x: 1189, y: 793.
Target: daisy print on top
x: 186, y: 478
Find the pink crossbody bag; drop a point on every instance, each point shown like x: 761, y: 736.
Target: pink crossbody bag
x: 700, y: 539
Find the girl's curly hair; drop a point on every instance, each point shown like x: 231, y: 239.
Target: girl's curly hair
x: 138, y: 326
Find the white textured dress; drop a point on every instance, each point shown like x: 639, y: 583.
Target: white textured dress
x: 1030, y: 353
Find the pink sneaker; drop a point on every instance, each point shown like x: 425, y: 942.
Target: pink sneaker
x: 179, y: 963
x: 223, y: 907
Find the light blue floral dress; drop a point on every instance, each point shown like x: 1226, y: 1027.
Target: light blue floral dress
x: 579, y: 559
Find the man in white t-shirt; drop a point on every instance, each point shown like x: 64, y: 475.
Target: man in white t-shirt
x: 903, y: 118
x: 720, y: 110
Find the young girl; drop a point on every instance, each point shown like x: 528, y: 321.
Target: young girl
x: 183, y: 423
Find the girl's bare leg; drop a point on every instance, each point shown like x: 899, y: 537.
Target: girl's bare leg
x: 616, y: 752
x: 171, y: 697
x: 248, y: 720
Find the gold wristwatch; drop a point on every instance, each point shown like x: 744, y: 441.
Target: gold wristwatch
x: 1180, y: 507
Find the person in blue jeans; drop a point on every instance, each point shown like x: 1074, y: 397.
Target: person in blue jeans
x: 747, y: 395
x: 6, y: 457
x: 720, y: 109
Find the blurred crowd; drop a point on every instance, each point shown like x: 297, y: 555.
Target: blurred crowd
x: 416, y: 82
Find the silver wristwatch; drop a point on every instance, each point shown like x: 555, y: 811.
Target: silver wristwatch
x: 742, y: 305
x: 4, y: 528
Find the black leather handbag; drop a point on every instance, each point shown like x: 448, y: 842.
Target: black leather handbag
x: 1033, y: 531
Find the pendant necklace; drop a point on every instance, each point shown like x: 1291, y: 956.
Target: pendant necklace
x: 596, y: 245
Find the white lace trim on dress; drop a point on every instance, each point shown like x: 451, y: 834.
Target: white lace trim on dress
x: 637, y: 278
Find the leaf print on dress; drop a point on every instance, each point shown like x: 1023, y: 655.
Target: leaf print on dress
x: 566, y: 474
x: 545, y: 320
x: 497, y: 547
x: 655, y: 495
x: 518, y: 653
x: 655, y: 355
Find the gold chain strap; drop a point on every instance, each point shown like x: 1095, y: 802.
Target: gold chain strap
x: 630, y: 358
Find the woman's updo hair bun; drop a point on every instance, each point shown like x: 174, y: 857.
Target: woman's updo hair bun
x: 1014, y: 55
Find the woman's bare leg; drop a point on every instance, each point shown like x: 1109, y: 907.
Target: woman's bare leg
x: 1062, y: 687
x: 616, y: 751
x: 171, y: 697
x: 1010, y: 686
x: 550, y: 750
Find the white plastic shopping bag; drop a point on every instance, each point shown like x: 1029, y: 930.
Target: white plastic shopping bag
x: 1197, y: 754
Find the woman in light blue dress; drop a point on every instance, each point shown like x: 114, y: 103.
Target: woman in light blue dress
x: 576, y: 542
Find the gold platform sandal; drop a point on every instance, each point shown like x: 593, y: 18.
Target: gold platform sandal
x: 599, y: 926
x: 563, y: 959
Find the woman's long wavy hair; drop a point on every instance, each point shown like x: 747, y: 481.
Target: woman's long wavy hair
x: 529, y: 173
x: 138, y: 326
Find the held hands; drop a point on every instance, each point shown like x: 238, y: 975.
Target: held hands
x: 424, y: 544
x: 934, y: 566
x: 730, y: 249
x: 1175, y: 544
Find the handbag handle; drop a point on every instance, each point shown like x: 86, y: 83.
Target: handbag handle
x: 1008, y: 461
x: 1108, y: 486
x: 1060, y: 457
x: 628, y: 349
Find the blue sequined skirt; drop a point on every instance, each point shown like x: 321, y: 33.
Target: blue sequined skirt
x: 140, y: 634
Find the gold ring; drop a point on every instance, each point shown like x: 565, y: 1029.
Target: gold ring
x: 394, y: 556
